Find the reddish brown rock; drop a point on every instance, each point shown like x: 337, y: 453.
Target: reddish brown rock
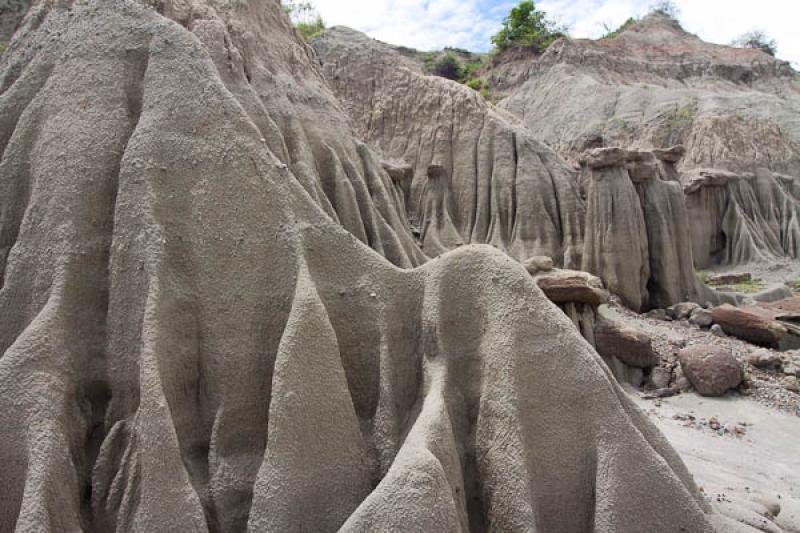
x: 752, y: 324
x: 631, y: 346
x: 711, y: 369
x: 784, y: 308
x: 572, y: 286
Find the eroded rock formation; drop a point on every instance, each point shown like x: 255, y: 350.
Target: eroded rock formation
x: 578, y: 294
x: 637, y: 236
x: 478, y: 176
x: 474, y: 175
x: 201, y: 331
x: 742, y: 217
x: 655, y: 85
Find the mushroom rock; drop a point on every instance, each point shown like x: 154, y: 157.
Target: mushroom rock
x: 637, y: 234
x: 437, y: 230
x: 401, y: 175
x: 576, y: 293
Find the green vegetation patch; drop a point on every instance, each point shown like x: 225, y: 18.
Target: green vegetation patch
x: 526, y: 26
x: 680, y: 116
x: 307, y: 21
x: 750, y: 286
x: 616, y: 33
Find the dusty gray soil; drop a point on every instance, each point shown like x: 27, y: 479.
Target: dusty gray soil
x: 764, y: 387
x: 739, y: 451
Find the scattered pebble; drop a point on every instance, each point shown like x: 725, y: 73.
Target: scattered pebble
x: 769, y: 385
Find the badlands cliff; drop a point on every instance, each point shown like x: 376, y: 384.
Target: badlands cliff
x: 734, y: 110
x: 248, y: 286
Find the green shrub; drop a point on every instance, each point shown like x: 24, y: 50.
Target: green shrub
x: 758, y: 40
x: 528, y: 27
x: 309, y: 30
x: 680, y: 116
x: 305, y: 18
x: 469, y: 70
x: 476, y: 84
x: 447, y: 66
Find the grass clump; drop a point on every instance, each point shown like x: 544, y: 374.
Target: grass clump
x: 680, y: 116
x: 307, y: 21
x: 749, y: 286
x: 611, y: 34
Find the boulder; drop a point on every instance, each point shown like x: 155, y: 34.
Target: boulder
x: 701, y: 317
x: 749, y: 324
x: 682, y: 310
x: 711, y: 369
x: 773, y: 294
x: 716, y: 330
x: 572, y: 286
x: 539, y: 263
x: 631, y: 346
x: 765, y: 360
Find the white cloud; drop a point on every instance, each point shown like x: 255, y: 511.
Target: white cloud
x: 716, y: 21
x: 421, y: 24
x: 721, y: 21
x: 433, y: 24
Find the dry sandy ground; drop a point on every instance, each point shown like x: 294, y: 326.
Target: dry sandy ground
x: 744, y: 474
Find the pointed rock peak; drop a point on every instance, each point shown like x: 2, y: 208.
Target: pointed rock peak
x: 658, y: 20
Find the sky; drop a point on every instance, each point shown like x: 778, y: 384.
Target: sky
x: 434, y: 24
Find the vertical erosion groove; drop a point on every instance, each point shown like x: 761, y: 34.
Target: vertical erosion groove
x: 95, y: 391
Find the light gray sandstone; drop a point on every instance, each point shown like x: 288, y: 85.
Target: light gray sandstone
x: 637, y: 238
x: 479, y: 176
x: 211, y: 319
x: 734, y: 110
